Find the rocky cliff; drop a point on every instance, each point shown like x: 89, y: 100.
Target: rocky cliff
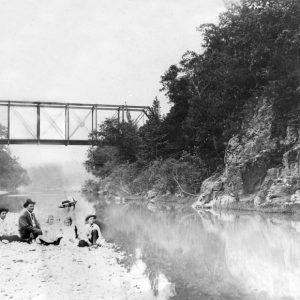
x: 261, y: 168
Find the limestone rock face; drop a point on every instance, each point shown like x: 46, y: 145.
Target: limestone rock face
x: 261, y: 170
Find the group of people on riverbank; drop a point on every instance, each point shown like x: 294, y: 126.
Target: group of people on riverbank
x: 30, y: 229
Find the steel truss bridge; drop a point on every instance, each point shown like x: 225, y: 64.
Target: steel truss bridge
x: 58, y: 123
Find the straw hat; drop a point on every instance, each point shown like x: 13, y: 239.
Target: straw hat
x: 68, y: 203
x: 90, y: 216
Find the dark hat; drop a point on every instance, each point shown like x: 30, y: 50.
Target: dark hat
x: 89, y: 216
x: 3, y: 209
x: 28, y: 201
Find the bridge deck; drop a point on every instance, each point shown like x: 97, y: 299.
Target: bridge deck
x: 48, y: 142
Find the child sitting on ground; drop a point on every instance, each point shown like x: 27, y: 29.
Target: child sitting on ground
x: 69, y: 232
x: 51, y: 234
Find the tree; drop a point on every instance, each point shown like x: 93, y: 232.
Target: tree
x: 117, y: 143
x: 101, y: 160
x: 252, y: 52
x: 178, y: 90
x: 12, y: 175
x: 153, y: 136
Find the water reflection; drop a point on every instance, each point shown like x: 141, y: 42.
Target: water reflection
x: 212, y: 255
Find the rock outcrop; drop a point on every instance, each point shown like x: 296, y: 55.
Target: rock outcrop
x: 261, y: 169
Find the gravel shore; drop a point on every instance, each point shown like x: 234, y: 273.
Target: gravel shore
x: 60, y: 272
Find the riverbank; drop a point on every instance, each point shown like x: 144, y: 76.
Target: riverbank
x: 36, y: 272
x: 67, y: 272
x: 178, y: 202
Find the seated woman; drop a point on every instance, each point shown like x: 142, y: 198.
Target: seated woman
x: 92, y: 234
x: 69, y: 232
x: 51, y: 234
x: 6, y: 233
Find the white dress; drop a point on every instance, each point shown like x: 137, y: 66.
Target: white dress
x: 68, y: 234
x: 50, y: 233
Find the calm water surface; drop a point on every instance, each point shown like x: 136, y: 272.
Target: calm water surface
x: 211, y: 255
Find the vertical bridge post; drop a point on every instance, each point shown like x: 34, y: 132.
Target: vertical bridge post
x: 118, y: 118
x: 8, y: 122
x: 93, y: 111
x: 96, y: 121
x: 67, y: 125
x: 38, y: 125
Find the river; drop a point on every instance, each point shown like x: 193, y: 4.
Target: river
x: 207, y: 255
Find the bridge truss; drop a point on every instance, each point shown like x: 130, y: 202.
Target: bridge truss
x: 58, y: 123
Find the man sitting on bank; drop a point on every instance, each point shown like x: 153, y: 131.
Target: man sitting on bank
x: 6, y: 235
x: 29, y: 227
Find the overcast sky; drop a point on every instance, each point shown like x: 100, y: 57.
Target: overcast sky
x: 101, y: 51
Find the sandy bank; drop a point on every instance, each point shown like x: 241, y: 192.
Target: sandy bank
x: 39, y: 272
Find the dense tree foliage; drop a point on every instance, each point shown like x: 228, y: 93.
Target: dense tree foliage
x: 153, y: 136
x: 12, y: 175
x: 117, y: 143
x: 252, y: 52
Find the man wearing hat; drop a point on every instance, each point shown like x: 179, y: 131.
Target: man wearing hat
x: 29, y: 227
x: 92, y: 234
x: 5, y: 231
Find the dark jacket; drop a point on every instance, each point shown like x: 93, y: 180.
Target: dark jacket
x: 26, y: 226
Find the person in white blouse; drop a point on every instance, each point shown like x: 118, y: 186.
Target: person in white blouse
x: 6, y: 234
x: 91, y: 235
x: 3, y: 222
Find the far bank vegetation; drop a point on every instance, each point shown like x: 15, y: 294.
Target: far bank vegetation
x: 252, y: 52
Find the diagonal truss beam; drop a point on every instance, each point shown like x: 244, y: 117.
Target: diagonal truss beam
x: 53, y: 124
x: 81, y: 122
x: 25, y: 124
x: 139, y: 117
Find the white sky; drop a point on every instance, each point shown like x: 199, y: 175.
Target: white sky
x: 101, y: 51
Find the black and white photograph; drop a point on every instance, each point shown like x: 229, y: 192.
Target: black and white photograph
x: 150, y: 149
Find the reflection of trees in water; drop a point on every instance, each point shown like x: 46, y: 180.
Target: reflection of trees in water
x: 263, y: 251
x: 213, y: 254
x: 178, y: 247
